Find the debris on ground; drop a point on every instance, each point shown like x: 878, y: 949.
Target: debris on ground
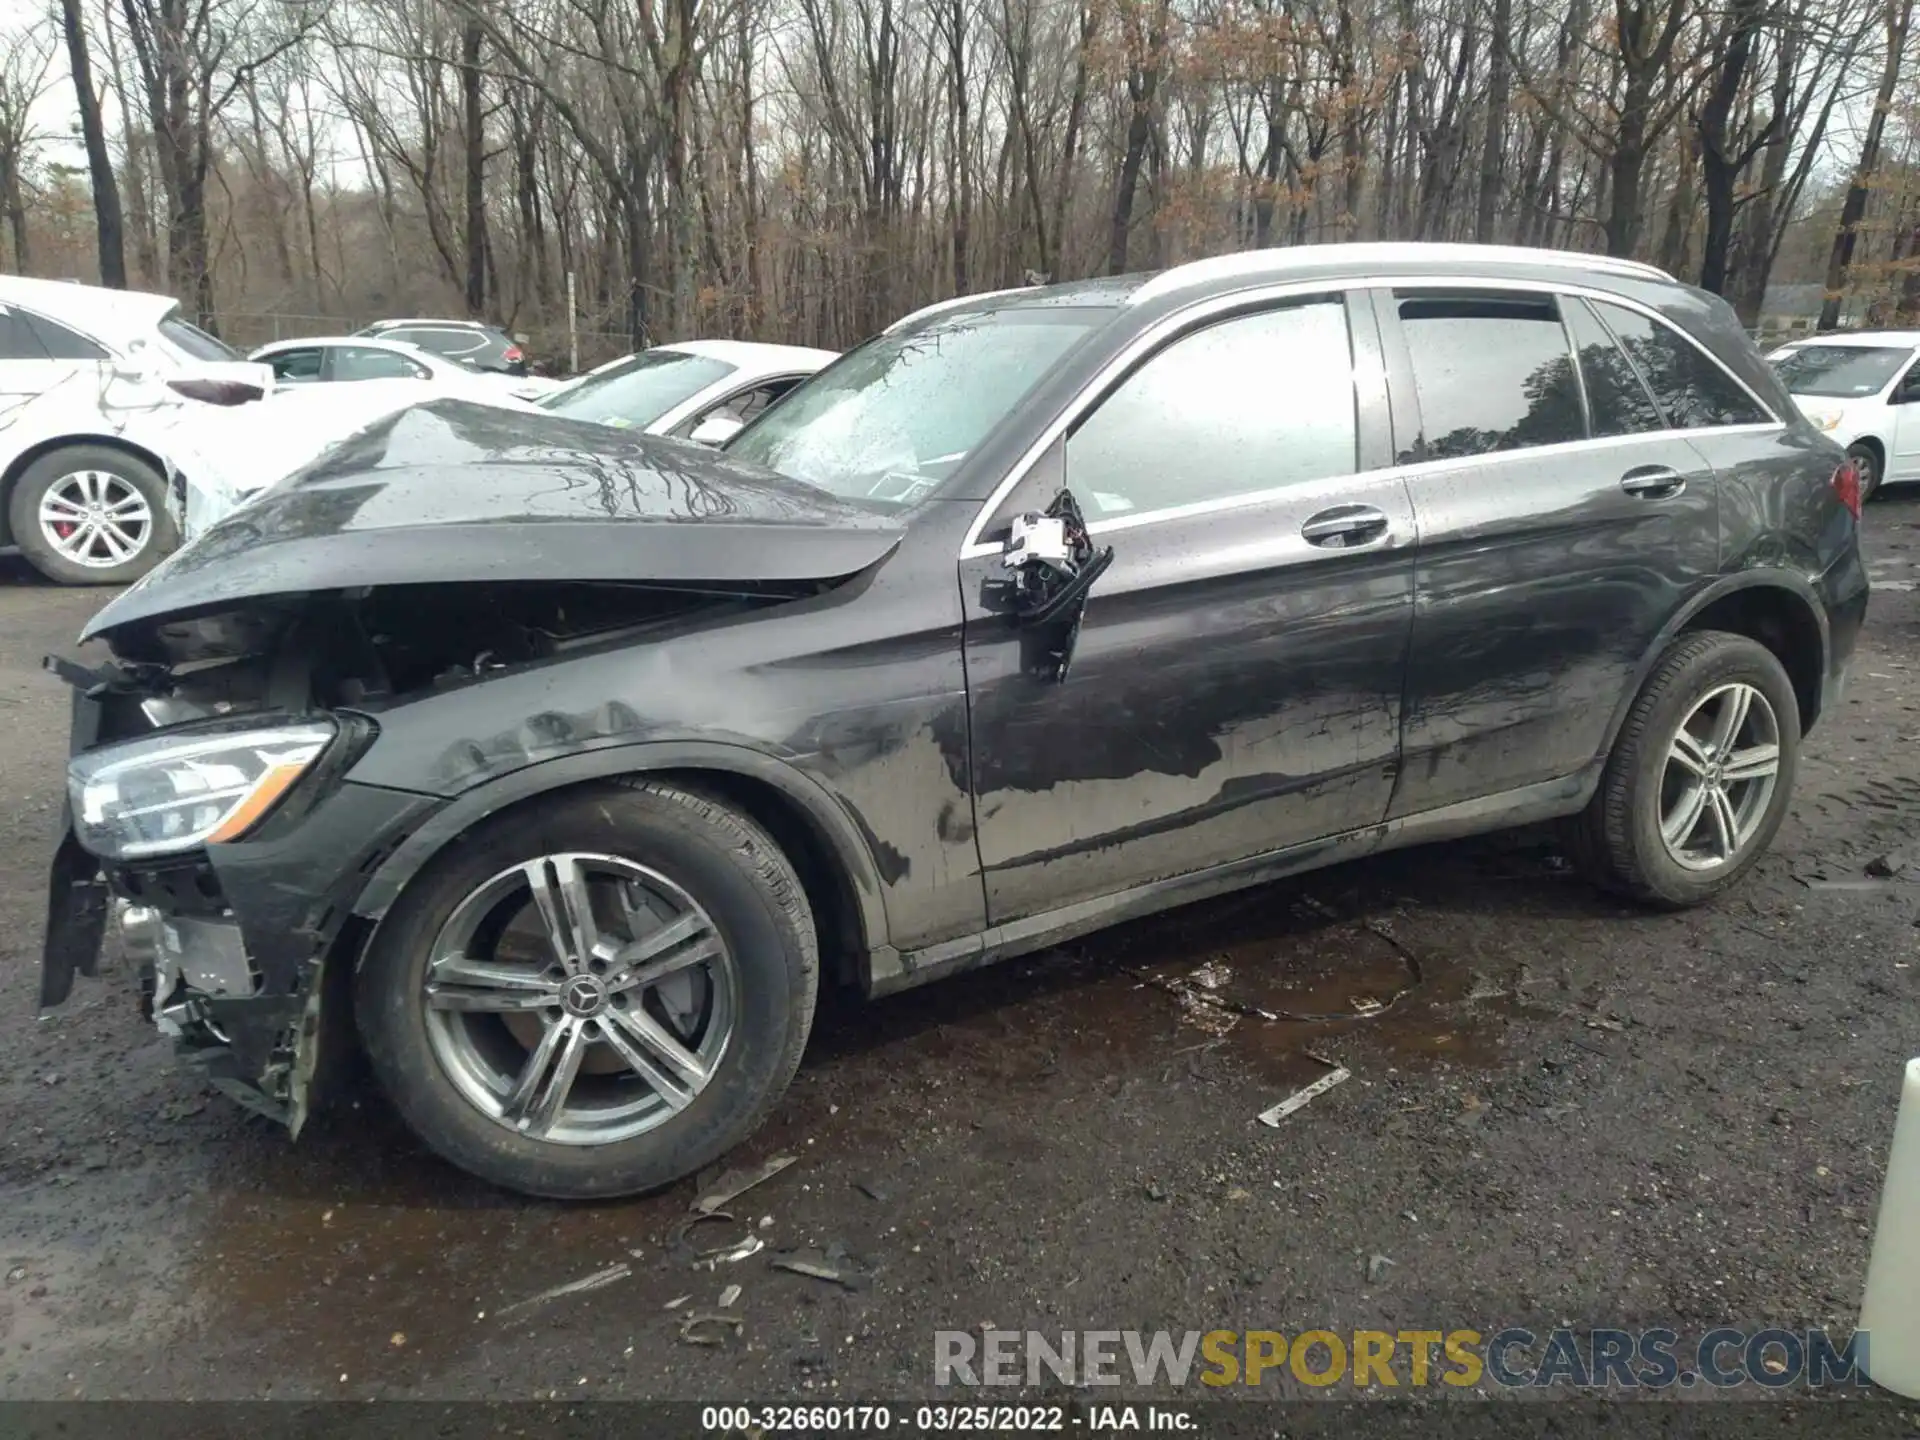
x: 595, y: 1281
x: 728, y: 1296
x: 1601, y: 1023
x: 736, y: 1183
x: 676, y: 1302
x: 834, y: 1265
x: 1377, y: 1266
x: 729, y: 1254
x: 710, y: 1327
x: 1305, y: 1095
x: 872, y: 1191
x: 1891, y: 866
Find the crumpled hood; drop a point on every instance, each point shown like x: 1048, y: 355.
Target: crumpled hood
x: 450, y: 490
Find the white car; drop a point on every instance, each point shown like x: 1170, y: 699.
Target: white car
x: 325, y: 359
x: 1863, y: 389
x: 701, y: 390
x: 104, y: 395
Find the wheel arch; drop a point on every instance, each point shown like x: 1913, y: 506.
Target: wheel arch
x: 835, y: 867
x: 1776, y: 608
x: 42, y: 448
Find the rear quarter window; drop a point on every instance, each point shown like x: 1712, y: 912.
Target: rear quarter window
x: 1693, y: 390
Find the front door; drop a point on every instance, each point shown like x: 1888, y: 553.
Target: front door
x: 1234, y: 689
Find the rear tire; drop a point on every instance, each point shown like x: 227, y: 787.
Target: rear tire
x: 1683, y: 811
x: 116, y: 503
x: 730, y: 885
x: 1869, y: 466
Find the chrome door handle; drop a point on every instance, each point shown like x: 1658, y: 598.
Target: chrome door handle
x: 1653, y: 482
x: 1345, y: 526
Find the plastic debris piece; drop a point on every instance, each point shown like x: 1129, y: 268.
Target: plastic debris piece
x: 594, y: 1281
x: 709, y: 1327
x: 832, y: 1265
x: 729, y: 1254
x: 676, y: 1302
x: 1305, y: 1095
x: 728, y: 1296
x: 1377, y: 1266
x: 737, y: 1182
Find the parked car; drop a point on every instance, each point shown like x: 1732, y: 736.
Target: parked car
x: 99, y: 394
x: 326, y: 359
x: 563, y: 766
x: 1863, y: 389
x: 702, y: 390
x: 484, y: 347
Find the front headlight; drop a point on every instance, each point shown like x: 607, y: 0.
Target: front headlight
x: 1828, y: 420
x: 163, y: 794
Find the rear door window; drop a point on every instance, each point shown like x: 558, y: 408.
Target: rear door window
x: 17, y: 340
x: 1617, y: 402
x: 191, y: 340
x: 363, y: 362
x: 59, y: 342
x: 1492, y: 372
x: 1246, y: 405
x: 1693, y: 390
x: 294, y: 367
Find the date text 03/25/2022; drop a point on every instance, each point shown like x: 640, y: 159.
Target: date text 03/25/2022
x: 941, y: 1419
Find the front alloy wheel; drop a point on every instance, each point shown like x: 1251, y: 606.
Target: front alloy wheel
x: 95, y: 519
x: 595, y: 993
x: 579, y: 998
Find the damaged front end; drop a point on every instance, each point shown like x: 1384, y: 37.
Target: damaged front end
x: 214, y: 817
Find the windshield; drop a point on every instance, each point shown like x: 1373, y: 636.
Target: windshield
x: 639, y: 390
x: 1840, y: 370
x: 899, y: 414
x: 189, y: 339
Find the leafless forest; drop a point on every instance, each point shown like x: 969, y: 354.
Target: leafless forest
x: 807, y: 169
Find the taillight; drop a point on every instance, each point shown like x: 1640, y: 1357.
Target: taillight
x: 1846, y: 484
x: 216, y: 392
x: 514, y: 355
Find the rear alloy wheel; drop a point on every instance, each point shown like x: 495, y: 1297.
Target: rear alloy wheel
x: 596, y: 994
x: 91, y: 515
x: 1865, y: 460
x: 1700, y: 775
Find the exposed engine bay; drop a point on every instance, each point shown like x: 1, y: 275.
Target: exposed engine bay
x: 229, y: 971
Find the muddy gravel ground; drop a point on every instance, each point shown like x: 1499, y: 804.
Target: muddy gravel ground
x: 1565, y: 1110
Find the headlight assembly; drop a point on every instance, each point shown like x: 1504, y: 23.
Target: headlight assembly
x: 1828, y: 420
x: 167, y: 793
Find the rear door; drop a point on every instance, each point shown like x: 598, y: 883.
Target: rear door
x: 1234, y: 688
x: 1563, y: 518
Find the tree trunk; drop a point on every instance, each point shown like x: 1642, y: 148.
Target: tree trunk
x: 106, y: 194
x: 1493, y: 141
x: 1721, y: 156
x: 473, y: 128
x: 1899, y: 13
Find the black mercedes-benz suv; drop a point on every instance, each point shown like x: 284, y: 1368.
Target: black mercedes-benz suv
x: 559, y: 768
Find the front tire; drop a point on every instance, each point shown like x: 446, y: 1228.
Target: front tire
x: 1700, y: 776
x: 91, y: 515
x: 595, y: 995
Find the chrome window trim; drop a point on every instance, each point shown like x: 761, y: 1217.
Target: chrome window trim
x: 1405, y: 472
x: 1187, y: 317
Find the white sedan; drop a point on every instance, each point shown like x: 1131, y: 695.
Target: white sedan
x: 103, y: 397
x: 326, y: 359
x: 700, y: 390
x: 1863, y: 389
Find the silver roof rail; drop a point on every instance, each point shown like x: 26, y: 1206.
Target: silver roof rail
x: 1258, y: 264
x: 954, y: 304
